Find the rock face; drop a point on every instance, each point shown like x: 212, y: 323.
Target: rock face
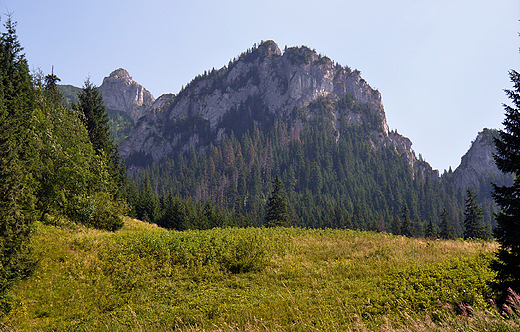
x: 122, y: 94
x: 262, y: 80
x: 478, y: 162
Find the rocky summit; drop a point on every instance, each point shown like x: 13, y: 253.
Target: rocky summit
x: 122, y: 94
x: 478, y: 164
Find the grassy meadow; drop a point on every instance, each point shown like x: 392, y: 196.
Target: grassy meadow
x: 144, y: 278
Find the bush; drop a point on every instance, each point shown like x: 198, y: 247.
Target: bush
x: 247, y: 253
x: 100, y: 211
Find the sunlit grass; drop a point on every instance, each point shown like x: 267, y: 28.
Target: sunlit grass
x: 145, y: 278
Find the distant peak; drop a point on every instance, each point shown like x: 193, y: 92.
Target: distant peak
x: 121, y: 74
x: 269, y: 47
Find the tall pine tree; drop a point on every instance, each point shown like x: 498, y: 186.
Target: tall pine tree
x: 17, y: 158
x: 95, y: 118
x: 94, y: 115
x: 276, y: 209
x: 473, y: 215
x: 447, y: 231
x: 431, y: 232
x: 406, y: 222
x: 507, y: 231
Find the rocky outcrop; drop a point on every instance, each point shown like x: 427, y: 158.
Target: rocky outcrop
x: 122, y: 94
x: 478, y: 162
x: 283, y: 82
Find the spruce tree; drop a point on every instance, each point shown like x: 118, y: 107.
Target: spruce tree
x: 17, y: 159
x: 276, y: 209
x: 95, y: 118
x: 51, y: 88
x: 94, y: 115
x: 447, y: 231
x: 473, y: 215
x: 507, y: 231
x: 406, y: 222
x: 430, y: 230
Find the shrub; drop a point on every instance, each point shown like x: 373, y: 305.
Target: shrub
x: 246, y: 253
x: 99, y: 210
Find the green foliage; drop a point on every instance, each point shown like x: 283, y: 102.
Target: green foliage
x: 276, y: 208
x: 446, y: 228
x: 100, y: 210
x: 95, y: 118
x: 423, y: 287
x: 74, y: 182
x: 507, y: 159
x: 64, y: 168
x: 473, y: 215
x: 17, y: 156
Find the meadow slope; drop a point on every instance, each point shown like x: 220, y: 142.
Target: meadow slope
x: 145, y: 278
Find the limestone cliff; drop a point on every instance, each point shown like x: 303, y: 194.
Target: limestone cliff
x: 478, y: 162
x: 122, y: 94
x: 263, y: 82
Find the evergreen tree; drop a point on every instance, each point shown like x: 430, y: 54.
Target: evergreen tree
x: 507, y: 159
x: 95, y: 118
x: 51, y: 88
x: 17, y: 158
x: 93, y: 113
x: 148, y: 205
x: 406, y: 222
x: 397, y: 225
x: 173, y: 214
x: 447, y: 231
x: 431, y: 232
x: 473, y: 215
x: 276, y: 209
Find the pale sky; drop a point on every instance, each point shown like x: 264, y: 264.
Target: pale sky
x: 441, y: 66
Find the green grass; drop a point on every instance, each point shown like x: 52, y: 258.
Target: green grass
x: 145, y: 278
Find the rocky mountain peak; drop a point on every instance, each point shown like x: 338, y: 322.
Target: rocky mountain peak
x: 120, y: 74
x: 269, y: 48
x: 260, y: 84
x: 122, y: 94
x: 478, y: 161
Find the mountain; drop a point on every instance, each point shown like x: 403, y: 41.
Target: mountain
x: 478, y: 171
x: 317, y: 125
x: 70, y: 94
x: 478, y: 165
x: 254, y: 89
x: 126, y: 101
x: 122, y: 94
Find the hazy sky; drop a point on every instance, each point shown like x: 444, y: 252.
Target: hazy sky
x: 441, y: 66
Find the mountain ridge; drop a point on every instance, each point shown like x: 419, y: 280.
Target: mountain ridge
x: 285, y: 82
x: 122, y: 94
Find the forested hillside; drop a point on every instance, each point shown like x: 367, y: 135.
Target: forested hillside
x: 333, y: 177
